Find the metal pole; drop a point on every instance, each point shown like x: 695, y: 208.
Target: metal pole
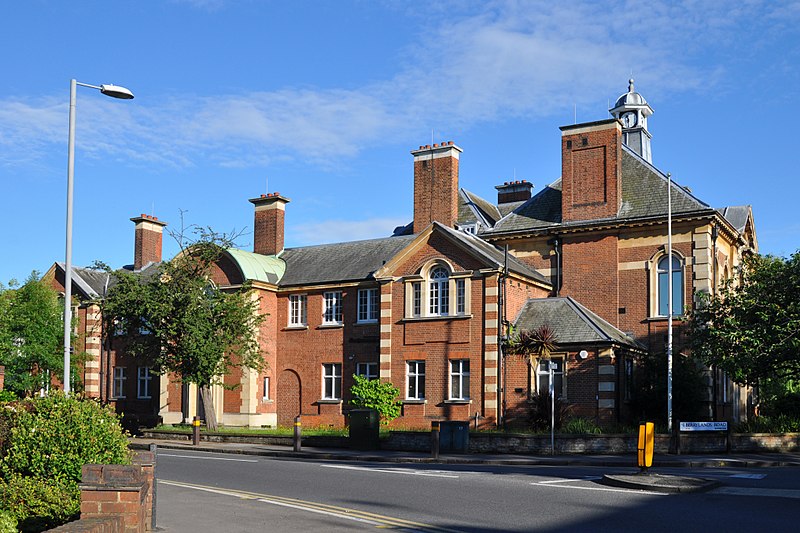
x: 196, y: 431
x: 669, y: 302
x: 297, y: 433
x: 551, y: 366
x: 435, y: 439
x: 68, y: 259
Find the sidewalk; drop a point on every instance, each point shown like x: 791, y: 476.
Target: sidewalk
x: 343, y: 454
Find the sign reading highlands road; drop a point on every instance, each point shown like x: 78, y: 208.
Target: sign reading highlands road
x: 704, y: 426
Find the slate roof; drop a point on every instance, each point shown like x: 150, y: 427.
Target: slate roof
x: 347, y: 261
x: 91, y: 282
x: 472, y: 207
x: 572, y: 323
x: 737, y: 215
x: 644, y: 195
x: 493, y: 253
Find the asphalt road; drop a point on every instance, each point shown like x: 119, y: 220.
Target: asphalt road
x: 200, y: 492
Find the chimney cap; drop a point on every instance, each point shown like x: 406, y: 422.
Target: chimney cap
x: 150, y: 219
x: 436, y: 148
x: 269, y: 198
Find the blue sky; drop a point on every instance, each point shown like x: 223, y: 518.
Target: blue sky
x: 322, y: 102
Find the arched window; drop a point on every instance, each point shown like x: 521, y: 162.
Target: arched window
x: 439, y: 292
x: 663, y: 286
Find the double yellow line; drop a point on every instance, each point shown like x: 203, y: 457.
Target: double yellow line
x: 379, y: 521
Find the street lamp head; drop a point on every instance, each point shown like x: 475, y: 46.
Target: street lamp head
x: 115, y: 91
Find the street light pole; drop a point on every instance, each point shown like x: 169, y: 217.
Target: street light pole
x: 670, y: 310
x: 113, y: 91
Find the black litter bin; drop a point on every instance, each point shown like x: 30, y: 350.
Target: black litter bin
x: 364, y: 429
x: 453, y: 436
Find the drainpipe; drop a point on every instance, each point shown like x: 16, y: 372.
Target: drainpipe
x: 557, y: 249
x: 503, y: 332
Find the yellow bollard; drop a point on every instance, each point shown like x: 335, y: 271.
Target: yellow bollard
x: 646, y: 445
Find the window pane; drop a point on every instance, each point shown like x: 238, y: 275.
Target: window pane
x: 417, y: 298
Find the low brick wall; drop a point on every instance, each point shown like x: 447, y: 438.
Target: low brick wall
x: 321, y: 441
x: 104, y: 524
x: 116, y: 498
x: 598, y: 444
x: 480, y: 442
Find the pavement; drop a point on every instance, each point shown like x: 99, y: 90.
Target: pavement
x: 645, y: 481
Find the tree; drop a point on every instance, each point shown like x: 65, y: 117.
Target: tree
x: 751, y: 330
x: 31, y: 335
x: 376, y: 394
x: 180, y: 322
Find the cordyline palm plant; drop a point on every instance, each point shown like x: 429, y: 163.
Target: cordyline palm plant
x: 537, y: 343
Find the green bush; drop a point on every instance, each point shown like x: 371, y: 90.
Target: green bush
x: 376, y: 394
x: 53, y: 437
x: 8, y: 524
x: 770, y: 424
x: 44, y: 443
x: 581, y: 426
x: 39, y: 504
x: 540, y: 412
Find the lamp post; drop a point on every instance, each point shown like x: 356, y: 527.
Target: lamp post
x: 113, y: 91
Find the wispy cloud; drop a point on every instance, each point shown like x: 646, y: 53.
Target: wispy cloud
x: 331, y: 231
x: 471, y: 66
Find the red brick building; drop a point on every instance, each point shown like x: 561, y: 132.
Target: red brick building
x: 427, y: 307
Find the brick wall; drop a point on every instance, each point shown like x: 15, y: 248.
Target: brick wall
x: 591, y: 170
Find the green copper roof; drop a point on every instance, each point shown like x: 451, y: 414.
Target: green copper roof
x: 257, y: 267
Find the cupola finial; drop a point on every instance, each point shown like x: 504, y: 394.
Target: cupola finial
x: 630, y: 85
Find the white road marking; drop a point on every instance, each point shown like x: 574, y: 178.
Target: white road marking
x: 553, y: 484
x: 749, y: 476
x: 767, y: 493
x: 587, y: 478
x: 404, y: 471
x: 207, y: 458
x: 377, y: 520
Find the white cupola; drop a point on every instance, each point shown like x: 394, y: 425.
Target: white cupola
x: 633, y: 110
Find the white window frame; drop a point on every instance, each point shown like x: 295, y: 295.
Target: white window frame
x: 438, y: 292
x: 368, y: 370
x: 143, y: 380
x: 416, y: 299
x: 544, y: 374
x: 265, y: 387
x: 662, y: 285
x: 459, y: 379
x: 298, y: 310
x: 415, y: 375
x: 120, y: 376
x: 368, y: 305
x: 332, y: 308
x: 332, y: 381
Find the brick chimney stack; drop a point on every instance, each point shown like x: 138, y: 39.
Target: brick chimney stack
x: 147, y: 242
x: 436, y: 185
x: 513, y: 191
x: 591, y: 170
x: 268, y: 226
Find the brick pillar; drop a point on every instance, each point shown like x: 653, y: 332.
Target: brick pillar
x: 436, y: 185
x: 491, y: 397
x: 91, y: 369
x: 147, y: 244
x: 386, y: 321
x: 2, y: 376
x: 147, y: 462
x: 115, y: 490
x: 268, y: 224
